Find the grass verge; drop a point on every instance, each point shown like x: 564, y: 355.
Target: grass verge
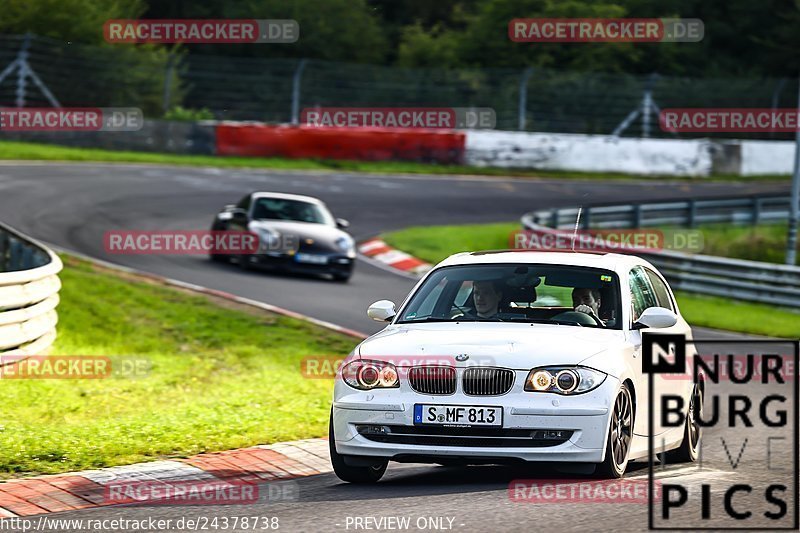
x: 434, y: 243
x: 45, y: 152
x: 765, y: 242
x: 222, y: 376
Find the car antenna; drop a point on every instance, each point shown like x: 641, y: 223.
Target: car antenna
x: 577, y: 223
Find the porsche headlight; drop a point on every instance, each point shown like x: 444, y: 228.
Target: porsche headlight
x: 368, y: 375
x: 268, y: 239
x: 346, y: 244
x: 564, y: 379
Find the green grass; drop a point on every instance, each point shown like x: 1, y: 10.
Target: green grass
x: 765, y: 242
x: 434, y: 243
x: 46, y: 152
x: 745, y: 317
x: 221, y: 378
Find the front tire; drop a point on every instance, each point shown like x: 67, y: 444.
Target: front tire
x: 620, y: 436
x: 689, y: 450
x: 353, y: 474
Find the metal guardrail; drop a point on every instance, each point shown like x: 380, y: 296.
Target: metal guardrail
x: 689, y: 213
x: 29, y: 286
x: 752, y: 281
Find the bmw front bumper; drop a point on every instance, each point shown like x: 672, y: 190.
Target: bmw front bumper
x: 536, y: 426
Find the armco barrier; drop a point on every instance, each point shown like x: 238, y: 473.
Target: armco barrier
x: 752, y: 281
x: 363, y: 144
x: 29, y: 288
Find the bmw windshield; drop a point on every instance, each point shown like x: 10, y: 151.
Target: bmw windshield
x: 552, y: 294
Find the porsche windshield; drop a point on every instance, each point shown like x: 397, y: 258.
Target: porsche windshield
x: 291, y: 210
x: 552, y: 294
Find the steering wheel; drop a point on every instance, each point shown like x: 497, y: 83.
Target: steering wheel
x: 583, y: 319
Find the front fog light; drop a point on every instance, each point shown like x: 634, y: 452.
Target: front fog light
x: 541, y: 380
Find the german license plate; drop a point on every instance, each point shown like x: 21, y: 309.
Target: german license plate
x: 457, y: 415
x: 311, y: 258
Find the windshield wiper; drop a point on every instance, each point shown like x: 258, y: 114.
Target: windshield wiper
x: 420, y: 320
x: 545, y: 321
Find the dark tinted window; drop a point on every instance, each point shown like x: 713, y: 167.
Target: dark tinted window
x: 661, y: 291
x: 642, y: 295
x: 244, y: 203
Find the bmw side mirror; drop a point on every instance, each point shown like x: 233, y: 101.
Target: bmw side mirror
x: 382, y: 311
x: 342, y: 223
x: 657, y: 318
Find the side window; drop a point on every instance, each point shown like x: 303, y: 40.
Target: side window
x: 244, y: 203
x: 661, y: 291
x: 642, y: 295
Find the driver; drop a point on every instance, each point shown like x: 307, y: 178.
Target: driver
x: 587, y: 301
x: 487, y: 296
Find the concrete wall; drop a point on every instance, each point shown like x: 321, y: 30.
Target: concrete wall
x: 589, y: 153
x: 604, y: 153
x: 155, y: 136
x: 503, y: 149
x: 767, y: 157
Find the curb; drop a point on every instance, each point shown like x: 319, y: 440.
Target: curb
x: 377, y: 250
x: 206, y: 472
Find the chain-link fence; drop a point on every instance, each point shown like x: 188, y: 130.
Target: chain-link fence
x: 274, y: 90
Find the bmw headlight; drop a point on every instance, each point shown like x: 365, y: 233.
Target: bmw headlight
x: 564, y: 379
x: 368, y: 375
x: 346, y: 244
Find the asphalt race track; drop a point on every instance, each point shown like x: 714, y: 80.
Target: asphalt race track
x: 72, y: 205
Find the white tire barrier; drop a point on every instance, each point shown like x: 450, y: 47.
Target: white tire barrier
x: 29, y: 286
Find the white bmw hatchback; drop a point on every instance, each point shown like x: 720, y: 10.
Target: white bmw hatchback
x: 499, y: 357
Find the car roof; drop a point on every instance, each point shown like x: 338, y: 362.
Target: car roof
x: 285, y: 196
x: 610, y: 261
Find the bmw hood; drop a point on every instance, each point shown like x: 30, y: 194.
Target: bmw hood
x: 515, y: 346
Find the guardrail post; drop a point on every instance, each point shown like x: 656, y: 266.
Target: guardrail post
x: 522, y: 106
x: 3, y: 251
x: 587, y: 218
x: 554, y: 218
x: 298, y: 73
x: 636, y: 216
x: 692, y: 214
x: 756, y: 210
